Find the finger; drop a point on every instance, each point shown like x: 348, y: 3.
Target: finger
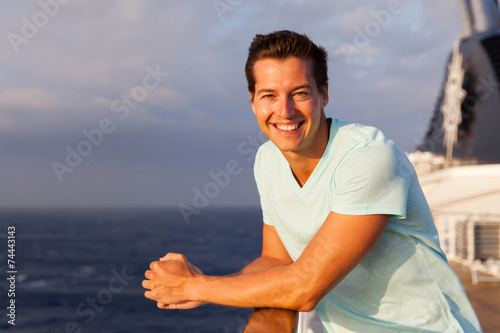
x: 149, y: 274
x: 181, y: 306
x: 155, y: 295
x: 176, y: 306
x: 159, y: 294
x: 155, y: 265
x: 173, y: 256
x: 165, y: 295
x: 168, y: 256
x: 148, y: 284
x: 149, y: 294
x: 161, y: 305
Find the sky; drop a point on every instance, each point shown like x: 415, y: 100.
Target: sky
x: 126, y: 103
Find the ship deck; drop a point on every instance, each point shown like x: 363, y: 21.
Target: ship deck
x: 484, y: 297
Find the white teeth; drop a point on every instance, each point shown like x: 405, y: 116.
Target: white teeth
x: 287, y: 127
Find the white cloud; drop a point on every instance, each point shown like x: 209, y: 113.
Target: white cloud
x: 131, y: 11
x: 35, y: 99
x: 65, y: 79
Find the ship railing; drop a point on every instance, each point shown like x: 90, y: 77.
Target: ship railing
x: 427, y: 162
x: 473, y: 240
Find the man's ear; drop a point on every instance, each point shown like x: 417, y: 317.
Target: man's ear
x: 251, y: 101
x: 325, y: 97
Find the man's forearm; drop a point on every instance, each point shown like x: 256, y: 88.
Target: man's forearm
x: 260, y: 264
x: 277, y: 287
x: 268, y: 319
x: 271, y: 320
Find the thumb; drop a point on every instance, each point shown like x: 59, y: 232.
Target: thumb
x: 172, y: 256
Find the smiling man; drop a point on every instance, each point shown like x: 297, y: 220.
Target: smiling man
x: 289, y: 107
x: 347, y: 230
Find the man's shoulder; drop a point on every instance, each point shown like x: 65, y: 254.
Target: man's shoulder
x: 358, y: 141
x: 267, y: 158
x: 359, y: 132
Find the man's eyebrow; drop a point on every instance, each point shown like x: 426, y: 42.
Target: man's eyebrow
x: 305, y: 86
x: 261, y: 91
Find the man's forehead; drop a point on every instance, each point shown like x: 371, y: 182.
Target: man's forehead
x: 270, y: 70
x: 289, y: 61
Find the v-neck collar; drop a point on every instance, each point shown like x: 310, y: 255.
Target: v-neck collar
x: 302, y: 190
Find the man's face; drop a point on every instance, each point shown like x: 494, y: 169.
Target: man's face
x: 288, y: 105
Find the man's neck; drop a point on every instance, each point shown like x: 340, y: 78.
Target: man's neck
x: 303, y: 165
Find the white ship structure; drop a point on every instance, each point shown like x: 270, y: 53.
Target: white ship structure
x: 458, y: 162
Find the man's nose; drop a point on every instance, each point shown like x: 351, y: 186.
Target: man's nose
x: 286, y: 107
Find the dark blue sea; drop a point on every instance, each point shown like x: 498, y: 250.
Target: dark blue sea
x: 81, y: 270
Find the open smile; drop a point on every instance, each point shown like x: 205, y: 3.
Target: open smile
x: 288, y: 127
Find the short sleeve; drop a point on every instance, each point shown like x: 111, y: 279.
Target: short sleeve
x: 373, y: 179
x: 260, y: 185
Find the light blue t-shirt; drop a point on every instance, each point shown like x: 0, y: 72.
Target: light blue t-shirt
x: 405, y: 283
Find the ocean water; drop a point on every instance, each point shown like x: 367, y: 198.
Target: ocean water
x: 81, y: 270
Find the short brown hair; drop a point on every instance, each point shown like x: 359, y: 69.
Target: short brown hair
x: 284, y: 44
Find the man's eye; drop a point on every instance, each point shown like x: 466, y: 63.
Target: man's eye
x: 300, y: 94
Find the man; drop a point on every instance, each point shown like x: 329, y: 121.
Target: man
x: 347, y: 230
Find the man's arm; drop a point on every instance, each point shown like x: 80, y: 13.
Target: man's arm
x: 339, y: 246
x: 274, y: 254
x: 271, y: 320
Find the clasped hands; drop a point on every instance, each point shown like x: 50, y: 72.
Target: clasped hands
x: 169, y: 282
